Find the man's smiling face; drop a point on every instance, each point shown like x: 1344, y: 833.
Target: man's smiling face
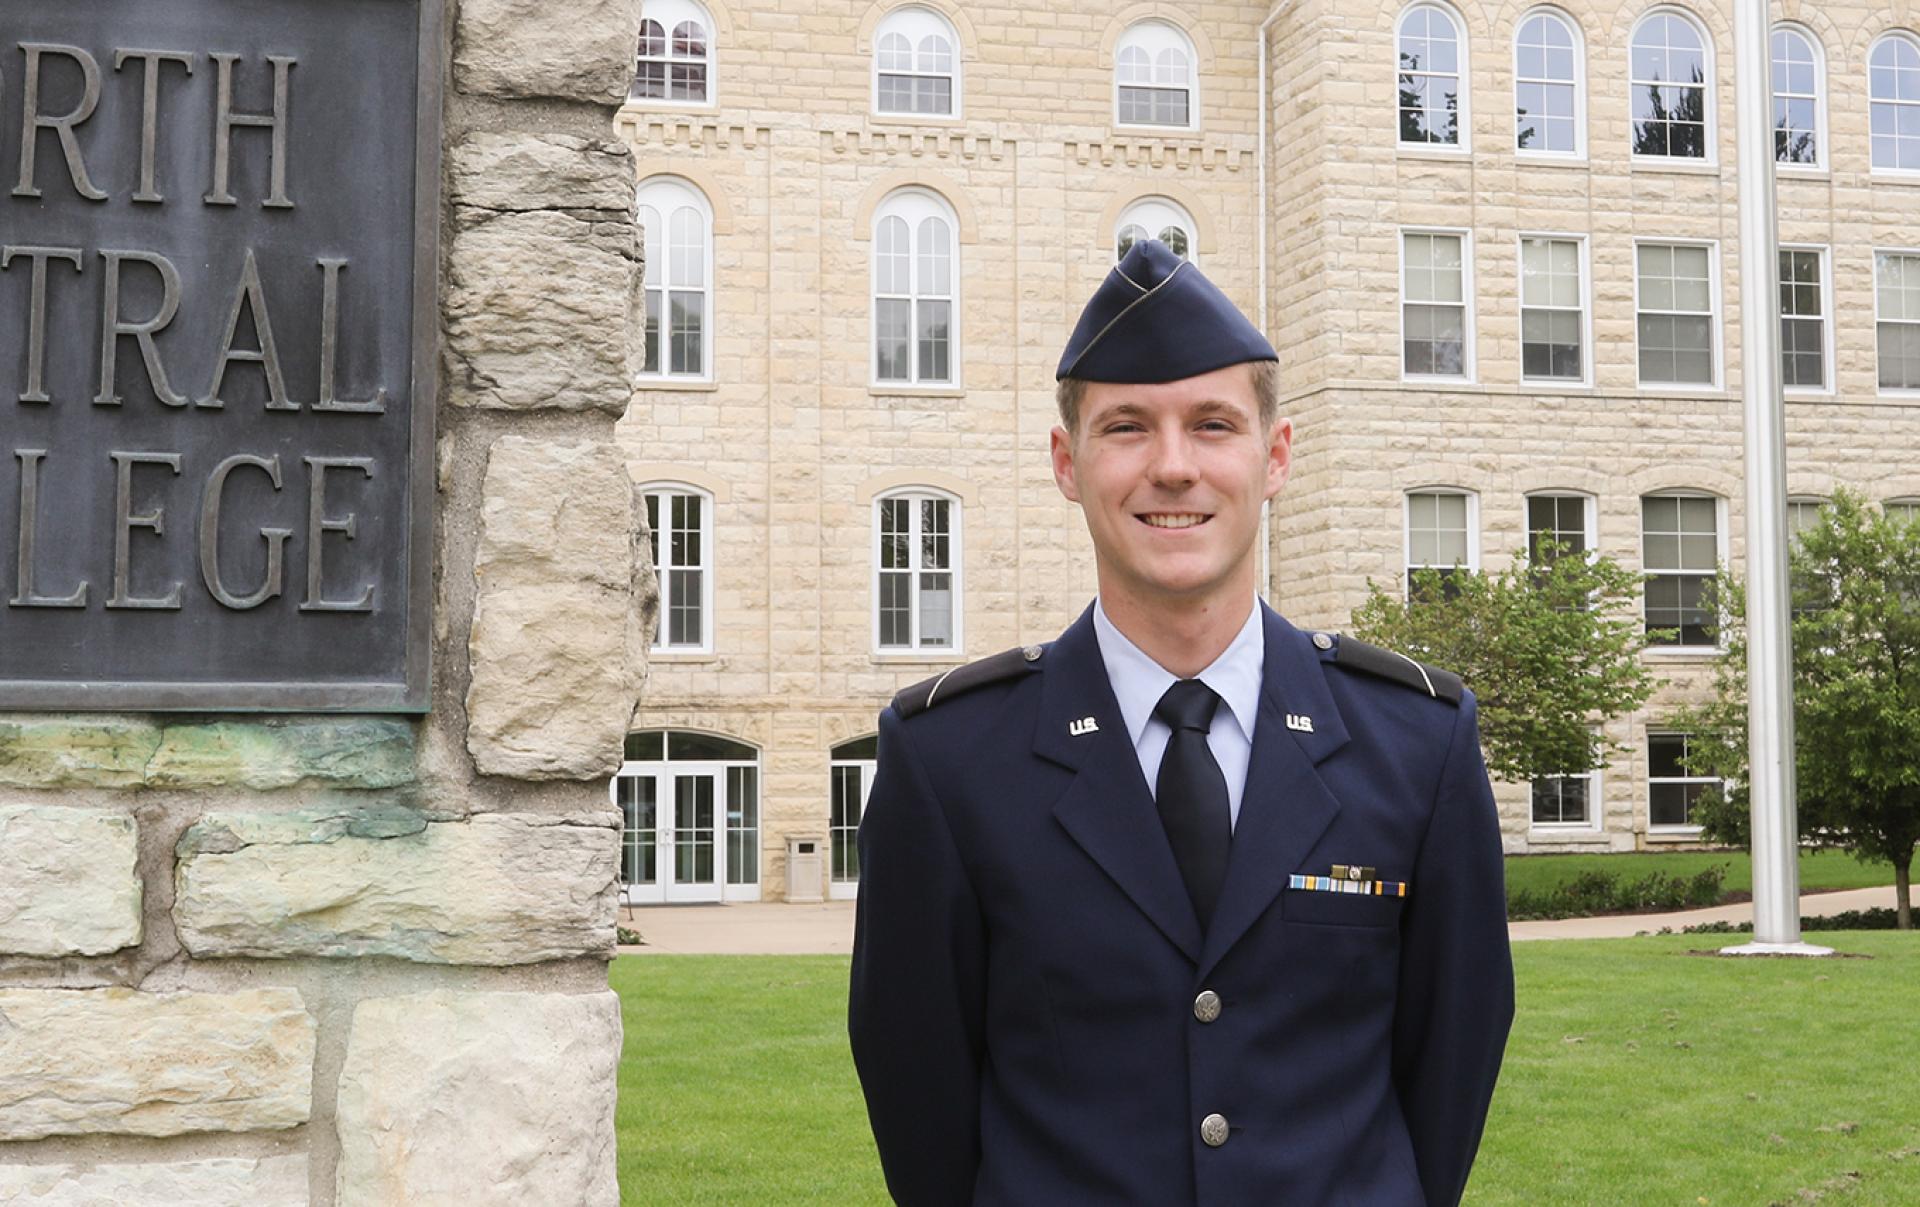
x: 1171, y: 477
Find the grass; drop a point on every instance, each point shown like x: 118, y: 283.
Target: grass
x: 1636, y: 1075
x: 1819, y: 870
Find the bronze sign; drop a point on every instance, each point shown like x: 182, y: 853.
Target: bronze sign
x: 217, y: 224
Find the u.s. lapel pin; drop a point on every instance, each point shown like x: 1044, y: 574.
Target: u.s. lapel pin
x: 1299, y: 722
x: 1082, y: 727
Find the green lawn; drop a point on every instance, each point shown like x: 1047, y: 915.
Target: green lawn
x: 1818, y: 869
x: 1636, y: 1075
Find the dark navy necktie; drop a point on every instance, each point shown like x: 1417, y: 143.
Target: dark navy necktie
x: 1192, y: 794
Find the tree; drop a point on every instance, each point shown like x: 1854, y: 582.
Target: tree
x: 1549, y: 646
x: 1856, y: 694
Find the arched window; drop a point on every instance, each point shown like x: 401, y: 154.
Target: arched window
x: 1901, y: 511
x: 675, y: 222
x: 1154, y: 77
x: 916, y: 564
x: 1433, y: 95
x: 1548, y: 101
x: 851, y: 771
x: 690, y: 818
x: 676, y: 53
x: 1672, y: 104
x: 680, y: 527
x: 1799, y: 108
x: 916, y: 253
x: 915, y: 69
x: 1893, y: 86
x: 1442, y: 535
x: 1155, y: 218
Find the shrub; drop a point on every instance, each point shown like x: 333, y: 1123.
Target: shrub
x: 1603, y: 892
x: 1852, y: 919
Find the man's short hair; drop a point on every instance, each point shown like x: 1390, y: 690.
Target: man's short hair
x: 1266, y: 391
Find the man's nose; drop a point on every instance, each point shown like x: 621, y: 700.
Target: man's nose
x: 1173, y: 461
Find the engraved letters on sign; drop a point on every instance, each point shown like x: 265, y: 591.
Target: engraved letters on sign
x: 216, y: 281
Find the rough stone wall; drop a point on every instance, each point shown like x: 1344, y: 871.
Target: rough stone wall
x: 300, y: 961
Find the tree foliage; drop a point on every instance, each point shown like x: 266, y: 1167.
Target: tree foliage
x: 1551, y: 648
x: 1856, y: 694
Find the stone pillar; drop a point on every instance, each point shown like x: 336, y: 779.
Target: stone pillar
x: 298, y: 961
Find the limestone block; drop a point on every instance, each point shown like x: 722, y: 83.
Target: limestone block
x: 523, y: 48
x: 480, y: 1098
x: 558, y: 646
x: 281, y: 752
x: 525, y: 171
x: 67, y: 881
x: 277, y: 752
x: 219, y: 1182
x: 543, y: 310
x: 75, y: 752
x: 78, y: 1061
x: 495, y: 888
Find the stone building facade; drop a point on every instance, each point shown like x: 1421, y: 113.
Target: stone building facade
x: 354, y: 959
x: 1496, y: 247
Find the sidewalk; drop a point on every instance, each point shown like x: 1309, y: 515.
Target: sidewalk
x: 827, y: 929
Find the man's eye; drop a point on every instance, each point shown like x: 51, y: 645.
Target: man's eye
x: 1116, y: 428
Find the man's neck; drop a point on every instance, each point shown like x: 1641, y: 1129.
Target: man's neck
x: 1184, y: 640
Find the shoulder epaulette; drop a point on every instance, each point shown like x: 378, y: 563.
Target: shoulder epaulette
x: 961, y: 679
x: 1389, y: 664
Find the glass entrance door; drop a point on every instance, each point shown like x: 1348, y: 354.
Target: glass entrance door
x: 670, y: 835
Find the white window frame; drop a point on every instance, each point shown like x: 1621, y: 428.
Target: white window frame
x: 1668, y: 827
x: 1826, y: 323
x: 666, y: 491
x: 1710, y: 131
x: 1153, y: 215
x: 1646, y: 572
x: 1715, y: 338
x: 956, y: 558
x: 1469, y: 364
x: 913, y: 205
x: 1463, y: 72
x: 1579, y: 152
x: 1407, y: 566
x: 916, y: 23
x: 1895, y: 35
x: 845, y: 889
x: 670, y: 14
x: 1589, y: 517
x: 1595, y: 802
x: 655, y: 192
x: 1154, y: 36
x: 1880, y: 390
x: 1819, y: 164
x: 1586, y: 309
x: 1905, y: 502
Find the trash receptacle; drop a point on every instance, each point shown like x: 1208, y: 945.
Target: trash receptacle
x: 806, y: 872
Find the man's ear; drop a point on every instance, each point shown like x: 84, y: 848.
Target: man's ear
x: 1060, y: 448
x: 1279, y: 455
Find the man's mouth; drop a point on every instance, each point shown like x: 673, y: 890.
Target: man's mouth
x: 1173, y: 519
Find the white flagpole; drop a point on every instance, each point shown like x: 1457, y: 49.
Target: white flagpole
x: 1776, y: 839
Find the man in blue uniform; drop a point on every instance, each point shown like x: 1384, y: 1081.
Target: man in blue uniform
x: 1189, y: 906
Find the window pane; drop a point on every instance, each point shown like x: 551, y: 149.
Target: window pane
x: 935, y: 341
x: 689, y: 355
x: 893, y: 318
x: 936, y: 610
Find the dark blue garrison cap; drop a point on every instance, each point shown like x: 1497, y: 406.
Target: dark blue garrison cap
x: 1155, y: 318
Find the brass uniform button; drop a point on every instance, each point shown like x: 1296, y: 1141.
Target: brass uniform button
x: 1322, y: 642
x: 1031, y: 653
x: 1206, y: 1007
x: 1213, y: 1130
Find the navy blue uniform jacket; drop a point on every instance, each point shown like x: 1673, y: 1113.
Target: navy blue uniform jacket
x: 1026, y: 959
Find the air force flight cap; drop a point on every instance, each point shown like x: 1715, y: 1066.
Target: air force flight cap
x: 1155, y: 318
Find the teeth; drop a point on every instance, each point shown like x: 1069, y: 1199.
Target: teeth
x: 1174, y: 521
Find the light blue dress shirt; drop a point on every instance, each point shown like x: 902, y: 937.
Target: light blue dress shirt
x: 1139, y: 682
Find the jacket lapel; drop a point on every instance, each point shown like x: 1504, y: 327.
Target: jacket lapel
x: 1108, y: 809
x: 1285, y: 807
